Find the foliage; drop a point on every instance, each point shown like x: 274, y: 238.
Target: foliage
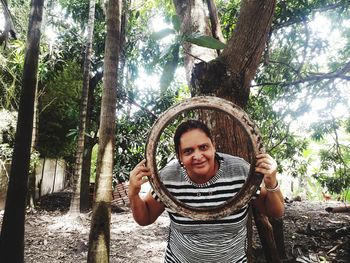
x: 133, y: 128
x: 301, y: 64
x: 12, y: 60
x: 291, y: 81
x: 334, y: 154
x: 169, y: 57
x: 279, y: 141
x: 228, y: 14
x: 8, y: 121
x: 60, y: 105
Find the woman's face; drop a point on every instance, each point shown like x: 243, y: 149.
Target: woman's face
x: 197, y: 153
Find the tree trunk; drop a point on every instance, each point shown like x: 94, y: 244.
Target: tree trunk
x: 99, y: 239
x: 89, y: 144
x: 75, y: 201
x: 193, y: 18
x: 12, y: 232
x: 31, y: 200
x: 229, y: 75
x: 278, y: 234
x: 85, y: 203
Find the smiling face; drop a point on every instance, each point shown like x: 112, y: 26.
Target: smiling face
x: 197, y: 153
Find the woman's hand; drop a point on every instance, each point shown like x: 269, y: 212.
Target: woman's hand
x: 267, y: 166
x: 138, y: 176
x: 270, y: 200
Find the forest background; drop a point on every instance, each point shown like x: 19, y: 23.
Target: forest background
x: 298, y: 97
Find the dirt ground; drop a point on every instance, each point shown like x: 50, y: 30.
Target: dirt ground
x: 311, y: 234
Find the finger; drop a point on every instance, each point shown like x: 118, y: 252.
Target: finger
x: 261, y: 170
x: 140, y: 169
x: 143, y: 169
x: 140, y: 175
x: 264, y: 165
x: 262, y: 155
x: 142, y: 163
x: 264, y: 160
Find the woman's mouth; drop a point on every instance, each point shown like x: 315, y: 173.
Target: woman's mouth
x: 199, y: 165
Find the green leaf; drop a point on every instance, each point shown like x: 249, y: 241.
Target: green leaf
x: 205, y: 41
x: 162, y: 33
x: 176, y: 23
x: 170, y: 68
x: 72, y: 132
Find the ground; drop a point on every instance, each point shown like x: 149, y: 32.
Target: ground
x: 311, y: 234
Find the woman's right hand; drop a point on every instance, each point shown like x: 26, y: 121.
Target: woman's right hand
x: 138, y: 176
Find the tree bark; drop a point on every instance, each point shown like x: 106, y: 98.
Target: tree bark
x: 12, y: 232
x: 99, y: 239
x: 75, y: 201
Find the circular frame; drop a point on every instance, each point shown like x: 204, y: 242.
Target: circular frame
x: 248, y: 189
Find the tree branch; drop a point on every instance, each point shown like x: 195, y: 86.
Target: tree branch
x: 293, y: 21
x: 312, y: 77
x: 215, y: 23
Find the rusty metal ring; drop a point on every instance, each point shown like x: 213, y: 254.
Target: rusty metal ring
x: 249, y: 188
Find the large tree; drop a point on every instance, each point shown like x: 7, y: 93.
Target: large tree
x: 12, y: 232
x: 99, y: 239
x: 229, y: 74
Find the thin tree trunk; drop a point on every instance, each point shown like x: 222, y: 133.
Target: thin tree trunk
x: 99, y: 239
x: 85, y: 203
x: 89, y: 144
x: 75, y: 201
x: 12, y: 232
x: 31, y: 201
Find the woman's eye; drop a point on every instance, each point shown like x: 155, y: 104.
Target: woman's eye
x: 204, y: 147
x: 188, y: 152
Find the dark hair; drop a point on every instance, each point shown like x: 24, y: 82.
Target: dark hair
x: 188, y: 126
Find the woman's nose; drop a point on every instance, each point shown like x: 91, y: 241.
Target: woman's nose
x: 197, y: 155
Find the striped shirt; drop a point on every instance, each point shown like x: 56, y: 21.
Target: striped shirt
x: 207, y: 241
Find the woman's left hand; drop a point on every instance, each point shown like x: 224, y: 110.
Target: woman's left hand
x: 267, y: 166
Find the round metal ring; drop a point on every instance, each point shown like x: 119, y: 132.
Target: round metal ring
x: 249, y: 188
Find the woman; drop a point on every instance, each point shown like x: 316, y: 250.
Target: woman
x: 202, y: 177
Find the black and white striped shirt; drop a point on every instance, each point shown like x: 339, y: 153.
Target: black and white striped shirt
x: 207, y: 241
